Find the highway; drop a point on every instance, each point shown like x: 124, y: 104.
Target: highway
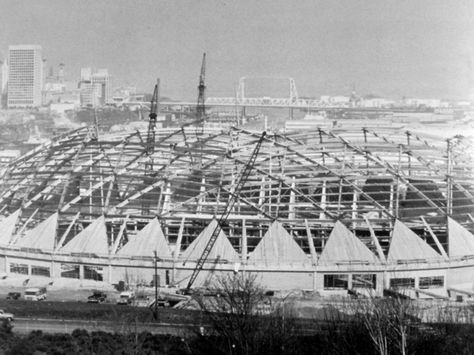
x: 26, y: 325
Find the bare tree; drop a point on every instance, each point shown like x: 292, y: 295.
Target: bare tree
x: 241, y: 318
x: 388, y: 322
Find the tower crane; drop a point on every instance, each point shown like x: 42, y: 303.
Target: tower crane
x: 223, y: 218
x: 150, y: 141
x: 154, y: 109
x: 201, y: 107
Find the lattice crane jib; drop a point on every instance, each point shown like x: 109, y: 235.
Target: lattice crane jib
x: 201, y: 107
x: 223, y: 218
x: 154, y: 109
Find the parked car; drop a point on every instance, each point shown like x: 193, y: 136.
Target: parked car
x: 35, y: 294
x: 97, y: 297
x: 13, y: 295
x: 5, y: 315
x: 126, y: 298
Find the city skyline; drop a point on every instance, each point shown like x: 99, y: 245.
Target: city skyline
x: 389, y: 48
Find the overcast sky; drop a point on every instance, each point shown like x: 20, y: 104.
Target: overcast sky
x: 392, y: 48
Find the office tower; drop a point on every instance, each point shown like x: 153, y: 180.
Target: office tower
x: 95, y: 87
x: 25, y: 76
x: 3, y: 83
x: 101, y: 77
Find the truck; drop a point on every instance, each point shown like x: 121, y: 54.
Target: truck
x: 4, y: 315
x: 126, y: 298
x: 35, y: 294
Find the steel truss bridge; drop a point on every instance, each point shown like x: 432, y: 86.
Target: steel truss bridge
x: 292, y: 101
x: 242, y: 101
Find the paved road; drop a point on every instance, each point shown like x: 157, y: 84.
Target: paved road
x: 26, y: 325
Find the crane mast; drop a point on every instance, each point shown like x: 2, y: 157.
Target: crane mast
x: 234, y: 195
x: 201, y: 107
x: 154, y: 109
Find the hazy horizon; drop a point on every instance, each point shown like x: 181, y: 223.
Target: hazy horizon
x: 390, y: 48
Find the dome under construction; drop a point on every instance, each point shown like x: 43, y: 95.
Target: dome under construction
x: 326, y: 209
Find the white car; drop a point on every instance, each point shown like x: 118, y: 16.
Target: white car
x: 5, y: 315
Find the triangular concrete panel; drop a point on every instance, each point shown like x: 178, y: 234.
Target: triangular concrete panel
x: 461, y: 241
x: 149, y: 239
x: 7, y: 227
x: 222, y: 248
x: 406, y: 245
x: 344, y: 246
x: 278, y: 247
x: 43, y: 236
x: 92, y: 240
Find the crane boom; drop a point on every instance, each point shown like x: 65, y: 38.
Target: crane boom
x: 201, y: 108
x: 238, y: 188
x: 154, y: 108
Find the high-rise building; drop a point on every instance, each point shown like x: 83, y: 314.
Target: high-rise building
x: 95, y: 87
x: 25, y: 76
x: 102, y: 78
x: 3, y: 76
x: 3, y: 83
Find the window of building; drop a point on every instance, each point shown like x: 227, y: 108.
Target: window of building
x: 40, y: 271
x: 93, y: 273
x: 402, y: 282
x: 336, y: 281
x: 364, y: 281
x: 431, y: 282
x: 19, y: 268
x: 70, y: 271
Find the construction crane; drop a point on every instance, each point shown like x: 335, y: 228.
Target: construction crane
x: 154, y: 109
x: 150, y: 143
x: 201, y: 107
x: 234, y: 195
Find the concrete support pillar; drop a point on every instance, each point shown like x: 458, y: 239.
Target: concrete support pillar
x: 261, y: 194
x: 243, y: 253
x: 29, y: 269
x: 52, y: 270
x: 177, y: 249
x: 391, y: 203
x: 166, y: 203
x: 380, y: 280
x: 291, y: 205
x: 7, y: 266
x: 109, y: 274
x: 323, y: 201
x: 314, y: 258
x: 202, y: 199
x: 354, y: 207
x: 55, y: 269
x: 81, y: 272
